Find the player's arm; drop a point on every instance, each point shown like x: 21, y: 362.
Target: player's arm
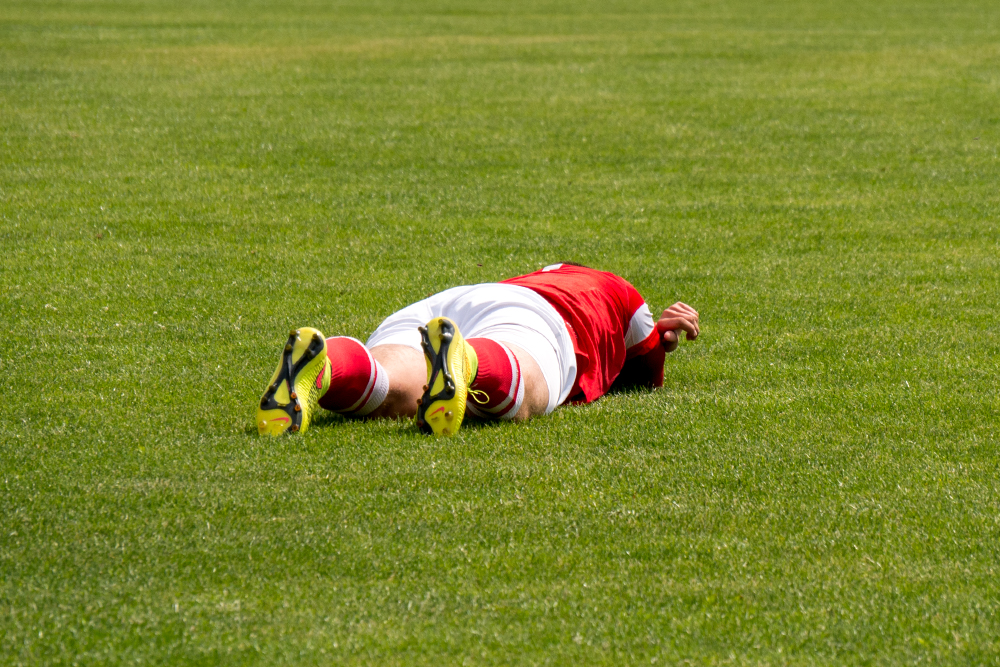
x: 646, y: 369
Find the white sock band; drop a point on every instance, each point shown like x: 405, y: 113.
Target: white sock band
x: 379, y: 391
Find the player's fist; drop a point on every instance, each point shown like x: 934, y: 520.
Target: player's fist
x: 675, y: 319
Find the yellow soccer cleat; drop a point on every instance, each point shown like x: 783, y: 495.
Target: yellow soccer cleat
x: 302, y: 377
x: 451, y: 368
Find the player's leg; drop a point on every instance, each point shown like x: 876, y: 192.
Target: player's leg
x: 383, y: 379
x: 517, y: 347
x: 504, y: 370
x: 509, y: 384
x: 388, y: 377
x: 341, y: 375
x: 482, y: 376
x: 407, y: 375
x: 536, y: 390
x: 395, y: 345
x: 359, y: 384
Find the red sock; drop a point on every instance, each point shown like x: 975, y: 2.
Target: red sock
x: 499, y: 378
x: 358, y: 383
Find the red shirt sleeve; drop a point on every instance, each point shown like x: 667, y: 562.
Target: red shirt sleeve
x: 641, y: 335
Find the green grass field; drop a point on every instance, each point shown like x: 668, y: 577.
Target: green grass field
x: 816, y: 483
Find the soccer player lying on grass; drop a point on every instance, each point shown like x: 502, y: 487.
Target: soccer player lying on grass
x: 508, y: 350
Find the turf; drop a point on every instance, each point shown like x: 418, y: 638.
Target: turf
x: 816, y: 483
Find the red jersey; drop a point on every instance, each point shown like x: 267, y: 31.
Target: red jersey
x: 607, y: 319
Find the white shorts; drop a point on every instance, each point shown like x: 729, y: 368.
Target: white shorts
x: 508, y: 313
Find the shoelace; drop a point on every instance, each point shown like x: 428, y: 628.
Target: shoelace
x: 484, y: 401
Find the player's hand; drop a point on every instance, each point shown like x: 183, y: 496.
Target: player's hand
x: 675, y: 319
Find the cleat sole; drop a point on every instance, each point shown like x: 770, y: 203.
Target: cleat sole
x: 450, y: 368
x: 292, y: 396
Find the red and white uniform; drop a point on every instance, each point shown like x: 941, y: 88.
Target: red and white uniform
x: 584, y: 328
x: 607, y: 319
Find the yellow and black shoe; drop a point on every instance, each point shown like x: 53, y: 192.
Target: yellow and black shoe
x: 451, y: 368
x: 302, y: 377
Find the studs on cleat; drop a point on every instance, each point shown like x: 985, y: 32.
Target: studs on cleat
x: 292, y: 405
x: 437, y: 357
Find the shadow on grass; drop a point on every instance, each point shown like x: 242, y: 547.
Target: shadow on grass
x: 628, y: 391
x: 322, y: 420
x: 327, y: 419
x: 331, y: 419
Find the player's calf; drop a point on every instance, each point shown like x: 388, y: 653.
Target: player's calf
x: 498, y: 390
x: 358, y: 382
